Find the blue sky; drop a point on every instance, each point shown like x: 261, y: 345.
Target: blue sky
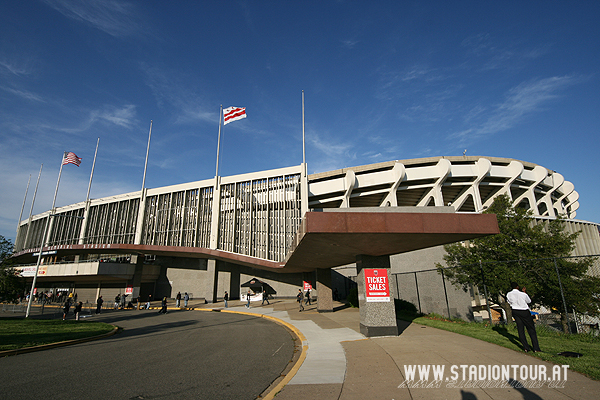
x: 383, y: 80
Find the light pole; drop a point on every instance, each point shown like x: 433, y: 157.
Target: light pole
x: 39, y: 260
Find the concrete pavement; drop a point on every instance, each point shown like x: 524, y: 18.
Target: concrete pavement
x: 343, y: 364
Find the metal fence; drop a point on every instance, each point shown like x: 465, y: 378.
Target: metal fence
x: 432, y: 293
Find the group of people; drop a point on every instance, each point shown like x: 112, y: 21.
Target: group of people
x: 249, y: 294
x: 186, y: 299
x: 52, y: 297
x: 303, y: 298
x: 120, y: 301
x: 76, y: 310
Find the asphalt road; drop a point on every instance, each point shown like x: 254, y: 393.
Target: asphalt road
x: 180, y: 355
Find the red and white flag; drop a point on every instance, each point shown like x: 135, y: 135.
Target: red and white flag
x: 231, y: 114
x: 71, y: 158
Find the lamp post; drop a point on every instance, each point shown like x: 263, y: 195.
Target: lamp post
x: 39, y: 260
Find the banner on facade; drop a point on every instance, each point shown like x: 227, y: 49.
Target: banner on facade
x: 30, y: 271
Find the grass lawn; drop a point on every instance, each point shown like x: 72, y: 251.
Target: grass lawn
x: 16, y: 333
x: 551, y: 342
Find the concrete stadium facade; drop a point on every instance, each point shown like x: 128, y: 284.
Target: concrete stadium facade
x: 210, y: 236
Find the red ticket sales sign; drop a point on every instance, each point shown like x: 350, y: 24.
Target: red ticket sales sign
x: 377, y: 284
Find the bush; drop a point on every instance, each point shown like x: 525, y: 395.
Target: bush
x: 405, y: 308
x: 352, y: 298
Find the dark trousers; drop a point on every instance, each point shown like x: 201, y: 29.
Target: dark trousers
x: 524, y: 320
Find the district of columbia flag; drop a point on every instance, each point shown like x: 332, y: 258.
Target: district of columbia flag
x: 71, y: 158
x: 231, y: 114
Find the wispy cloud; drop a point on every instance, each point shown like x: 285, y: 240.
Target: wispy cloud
x: 491, y: 55
x: 13, y: 68
x: 349, y: 44
x: 124, y: 116
x: 116, y: 18
x: 176, y: 93
x: 332, y: 153
x: 522, y: 100
x: 415, y: 72
x: 23, y: 94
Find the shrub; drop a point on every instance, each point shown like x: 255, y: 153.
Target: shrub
x: 353, y: 297
x: 405, y: 308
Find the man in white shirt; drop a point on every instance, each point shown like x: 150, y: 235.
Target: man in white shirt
x: 519, y: 303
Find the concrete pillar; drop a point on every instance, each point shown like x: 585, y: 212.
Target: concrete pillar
x: 377, y: 318
x: 98, y: 291
x: 138, y: 260
x: 324, y: 293
x: 210, y: 284
x: 139, y: 226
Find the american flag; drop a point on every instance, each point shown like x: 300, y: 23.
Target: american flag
x: 71, y: 158
x: 231, y: 114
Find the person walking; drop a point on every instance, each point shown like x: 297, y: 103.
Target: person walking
x: 163, y: 309
x: 66, y: 308
x: 178, y: 299
x: 519, y: 303
x: 307, y: 295
x: 99, y: 305
x: 226, y: 299
x: 299, y: 299
x: 186, y: 298
x: 148, y: 302
x: 78, y: 308
x: 117, y: 301
x: 265, y: 297
x: 248, y: 295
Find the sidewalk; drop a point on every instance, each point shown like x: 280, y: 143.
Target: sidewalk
x: 343, y: 364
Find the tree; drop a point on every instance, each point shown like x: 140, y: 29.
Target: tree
x: 12, y: 285
x: 528, y: 253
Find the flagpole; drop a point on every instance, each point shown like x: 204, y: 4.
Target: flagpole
x: 147, y: 151
x: 24, y: 199
x: 87, y: 198
x: 219, y: 139
x: 32, y: 203
x: 304, y: 172
x: 39, y: 260
x: 303, y: 147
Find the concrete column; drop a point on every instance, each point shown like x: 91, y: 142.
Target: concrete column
x: 210, y: 284
x: 324, y: 293
x: 86, y: 217
x: 98, y: 291
x: 377, y: 318
x: 216, y: 212
x: 138, y: 260
x: 139, y: 226
x: 303, y: 190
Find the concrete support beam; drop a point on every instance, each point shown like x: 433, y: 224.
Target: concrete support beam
x: 324, y: 292
x: 377, y: 318
x: 210, y: 284
x: 138, y: 260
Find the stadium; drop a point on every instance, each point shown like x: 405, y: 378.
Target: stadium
x: 211, y: 236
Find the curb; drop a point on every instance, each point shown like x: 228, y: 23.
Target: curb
x: 8, y: 353
x: 288, y: 377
